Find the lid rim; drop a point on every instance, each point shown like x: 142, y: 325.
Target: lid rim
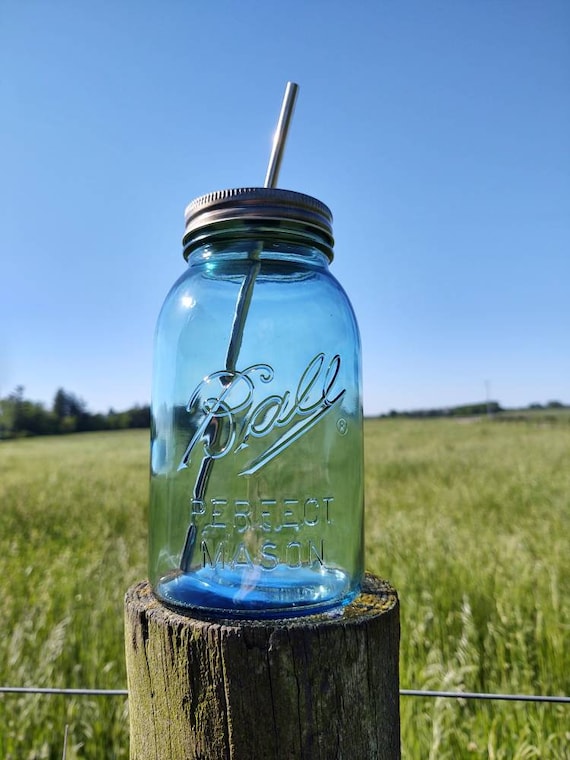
x: 252, y: 196
x: 273, y: 206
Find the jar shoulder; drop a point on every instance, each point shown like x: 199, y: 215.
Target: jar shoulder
x: 276, y: 287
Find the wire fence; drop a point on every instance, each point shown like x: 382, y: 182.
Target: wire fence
x: 403, y: 693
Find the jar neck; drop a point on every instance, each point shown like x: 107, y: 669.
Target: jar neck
x: 258, y: 250
x: 265, y: 235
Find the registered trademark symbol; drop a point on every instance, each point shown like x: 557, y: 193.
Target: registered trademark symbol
x: 342, y: 426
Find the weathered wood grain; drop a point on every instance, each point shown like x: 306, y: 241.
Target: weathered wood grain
x: 323, y: 687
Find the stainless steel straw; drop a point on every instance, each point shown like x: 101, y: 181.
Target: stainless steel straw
x: 242, y: 306
x: 280, y: 137
x: 246, y: 290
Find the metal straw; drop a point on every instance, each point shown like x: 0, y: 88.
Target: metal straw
x: 242, y: 308
x: 246, y: 290
x: 280, y: 137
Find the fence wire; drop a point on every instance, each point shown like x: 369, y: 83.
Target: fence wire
x: 403, y: 693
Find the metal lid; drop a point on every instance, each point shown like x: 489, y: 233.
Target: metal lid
x: 257, y: 204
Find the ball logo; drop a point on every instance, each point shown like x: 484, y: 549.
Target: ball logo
x: 231, y: 413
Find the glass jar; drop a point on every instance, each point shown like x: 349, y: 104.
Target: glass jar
x: 256, y: 504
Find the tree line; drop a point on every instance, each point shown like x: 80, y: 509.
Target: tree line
x: 490, y: 408
x: 68, y: 414
x: 21, y: 417
x: 465, y: 410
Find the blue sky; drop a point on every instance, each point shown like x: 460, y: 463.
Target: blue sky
x: 437, y: 132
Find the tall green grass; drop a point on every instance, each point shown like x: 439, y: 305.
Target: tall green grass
x: 72, y: 539
x: 471, y: 522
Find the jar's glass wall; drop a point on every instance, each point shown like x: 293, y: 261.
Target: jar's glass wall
x: 256, y: 471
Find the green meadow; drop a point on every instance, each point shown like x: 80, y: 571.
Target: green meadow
x: 470, y: 520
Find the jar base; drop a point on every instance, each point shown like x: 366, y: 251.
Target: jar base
x: 284, y: 592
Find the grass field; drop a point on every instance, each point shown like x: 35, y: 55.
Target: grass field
x: 470, y: 521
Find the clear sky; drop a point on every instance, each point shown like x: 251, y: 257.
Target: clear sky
x: 438, y: 133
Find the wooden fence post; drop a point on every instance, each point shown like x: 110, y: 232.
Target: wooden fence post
x: 322, y: 687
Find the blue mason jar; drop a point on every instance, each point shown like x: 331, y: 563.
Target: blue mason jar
x: 256, y: 504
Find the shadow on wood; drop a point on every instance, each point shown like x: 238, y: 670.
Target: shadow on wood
x: 323, y: 687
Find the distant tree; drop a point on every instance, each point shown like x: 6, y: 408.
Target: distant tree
x: 555, y: 405
x: 60, y: 408
x: 71, y: 412
x: 139, y: 417
x: 19, y: 417
x: 67, y: 405
x: 7, y: 417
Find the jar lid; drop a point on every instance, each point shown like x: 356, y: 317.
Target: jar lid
x: 257, y: 204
